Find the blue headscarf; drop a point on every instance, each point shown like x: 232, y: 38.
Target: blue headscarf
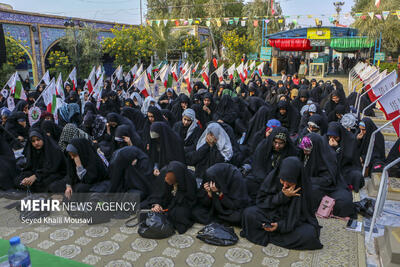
x: 67, y: 111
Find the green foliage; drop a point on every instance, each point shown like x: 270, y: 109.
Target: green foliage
x: 388, y: 66
x: 192, y: 46
x: 83, y: 49
x: 236, y: 46
x: 129, y: 45
x: 15, y: 55
x: 59, y: 62
x: 390, y: 28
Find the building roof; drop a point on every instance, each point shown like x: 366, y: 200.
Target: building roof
x: 302, y: 33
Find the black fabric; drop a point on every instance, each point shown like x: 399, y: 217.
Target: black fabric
x: 8, y: 164
x: 15, y: 128
x: 218, y: 235
x: 297, y: 102
x: 226, y: 111
x: 126, y: 130
x: 288, y: 212
x: 378, y: 152
x: 156, y: 226
x: 47, y: 164
x: 394, y: 154
x: 191, y: 141
x: 347, y: 156
x: 230, y: 182
x: 91, y: 161
x: 169, y: 117
x: 257, y: 123
x: 321, y: 166
x: 146, y: 128
x: 135, y: 116
x: 52, y: 129
x: 179, y: 206
x: 202, y: 115
x: 177, y: 108
x: 168, y: 147
x: 290, y: 119
x: 126, y: 178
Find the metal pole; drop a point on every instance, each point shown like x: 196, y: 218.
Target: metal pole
x: 381, y: 197
x: 372, y: 141
x: 141, y: 19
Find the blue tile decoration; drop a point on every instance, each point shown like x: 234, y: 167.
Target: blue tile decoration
x: 49, y: 36
x: 20, y: 33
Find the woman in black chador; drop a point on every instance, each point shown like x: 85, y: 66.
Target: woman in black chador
x: 321, y: 166
x: 8, y: 163
x: 188, y: 129
x: 283, y: 214
x: 175, y: 194
x: 85, y: 167
x: 131, y: 171
x: 222, y: 196
x: 45, y: 165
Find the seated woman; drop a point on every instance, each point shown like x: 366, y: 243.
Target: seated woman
x: 131, y: 171
x: 181, y: 103
x: 175, y: 193
x: 214, y: 146
x: 51, y: 129
x: 283, y: 214
x: 8, y: 164
x: 18, y: 126
x: 167, y: 98
x: 256, y: 123
x: 321, y: 166
x: 153, y: 115
x: 188, y: 130
x: 263, y: 133
x: 85, y: 168
x: 287, y: 115
x: 45, y: 165
x: 222, y: 196
x: 165, y: 146
x: 344, y: 144
x: 267, y: 156
x: 126, y: 136
x: 69, y: 113
x: 366, y: 128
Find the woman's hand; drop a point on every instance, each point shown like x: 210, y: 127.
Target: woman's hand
x: 68, y: 192
x: 156, y: 208
x: 273, y: 227
x: 208, y: 189
x: 156, y: 172
x: 28, y: 181
x: 127, y: 140
x: 213, y: 187
x: 291, y: 191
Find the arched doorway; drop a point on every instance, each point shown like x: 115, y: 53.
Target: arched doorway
x: 26, y: 66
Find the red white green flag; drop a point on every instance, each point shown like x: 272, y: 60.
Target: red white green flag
x: 142, y: 83
x: 231, y: 71
x: 204, y: 75
x: 91, y: 80
x: 220, y: 73
x: 59, y: 87
x: 50, y: 97
x: 187, y: 79
x: 174, y: 72
x: 150, y: 74
x: 241, y: 72
x: 16, y: 87
x: 72, y: 78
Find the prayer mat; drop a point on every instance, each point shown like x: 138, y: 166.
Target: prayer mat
x: 111, y: 244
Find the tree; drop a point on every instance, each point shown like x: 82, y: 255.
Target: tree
x: 390, y: 28
x: 15, y: 56
x: 192, y: 46
x: 129, y: 45
x: 83, y: 48
x: 59, y: 62
x: 236, y: 46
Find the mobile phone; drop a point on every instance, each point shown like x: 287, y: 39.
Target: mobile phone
x: 352, y: 224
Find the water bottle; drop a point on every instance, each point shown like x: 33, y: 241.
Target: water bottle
x: 18, y: 254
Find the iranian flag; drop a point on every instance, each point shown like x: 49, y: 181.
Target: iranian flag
x: 157, y: 68
x: 142, y: 83
x: 133, y: 71
x: 377, y: 3
x: 390, y: 105
x: 246, y: 70
x: 98, y: 88
x: 16, y: 87
x: 260, y: 69
x: 174, y: 72
x: 59, y: 87
x: 99, y: 71
x: 204, y: 74
x: 385, y: 85
x: 139, y: 71
x: 165, y: 76
x: 220, y: 73
x: 195, y: 67
x: 252, y: 65
x: 149, y: 72
x: 187, y: 79
x: 205, y: 65
x: 72, y: 78
x: 372, y: 82
x: 231, y: 71
x: 46, y: 78
x: 240, y: 70
x: 50, y: 97
x: 91, y: 80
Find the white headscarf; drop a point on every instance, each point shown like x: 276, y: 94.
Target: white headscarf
x: 192, y: 115
x: 146, y: 104
x: 138, y: 98
x: 224, y: 144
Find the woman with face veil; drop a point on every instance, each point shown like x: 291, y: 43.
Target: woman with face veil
x: 222, y: 195
x: 165, y: 146
x: 45, y: 167
x: 214, y: 146
x: 131, y: 171
x: 175, y: 193
x: 283, y: 214
x: 321, y: 166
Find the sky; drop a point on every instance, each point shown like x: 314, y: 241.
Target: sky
x: 128, y: 11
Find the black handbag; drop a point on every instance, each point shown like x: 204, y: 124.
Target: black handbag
x: 218, y: 235
x: 156, y: 226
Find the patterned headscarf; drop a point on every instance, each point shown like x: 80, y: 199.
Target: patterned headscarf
x: 70, y: 132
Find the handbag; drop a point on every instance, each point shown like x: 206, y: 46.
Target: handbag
x: 156, y: 226
x: 218, y: 235
x: 325, y: 208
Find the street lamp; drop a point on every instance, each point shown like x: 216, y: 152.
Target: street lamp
x: 70, y: 23
x: 338, y: 6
